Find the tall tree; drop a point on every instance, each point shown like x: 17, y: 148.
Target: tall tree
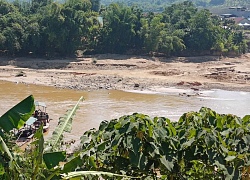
x: 78, y: 23
x: 201, y: 35
x: 12, y: 28
x: 179, y: 14
x: 119, y: 31
x: 153, y: 30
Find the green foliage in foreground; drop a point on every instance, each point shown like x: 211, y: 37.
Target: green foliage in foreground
x: 18, y: 115
x: 41, y: 159
x: 201, y: 145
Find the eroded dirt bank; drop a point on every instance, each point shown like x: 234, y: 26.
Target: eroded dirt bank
x: 122, y: 72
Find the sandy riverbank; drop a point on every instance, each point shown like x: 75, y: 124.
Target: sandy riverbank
x: 130, y: 72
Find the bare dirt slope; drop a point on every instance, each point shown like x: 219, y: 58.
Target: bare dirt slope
x: 110, y: 71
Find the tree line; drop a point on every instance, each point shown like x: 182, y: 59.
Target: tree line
x: 46, y: 28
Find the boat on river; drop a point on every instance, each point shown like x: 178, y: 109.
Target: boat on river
x: 38, y: 118
x: 26, y: 131
x: 42, y: 116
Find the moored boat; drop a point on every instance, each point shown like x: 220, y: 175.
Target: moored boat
x: 39, y: 117
x: 42, y: 116
x: 26, y: 133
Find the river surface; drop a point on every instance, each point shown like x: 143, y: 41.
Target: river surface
x: 106, y: 105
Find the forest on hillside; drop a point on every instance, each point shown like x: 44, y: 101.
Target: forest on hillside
x: 46, y: 28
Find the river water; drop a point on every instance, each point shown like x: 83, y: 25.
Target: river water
x: 106, y: 105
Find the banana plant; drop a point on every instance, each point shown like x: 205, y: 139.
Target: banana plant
x: 13, y: 119
x: 18, y: 115
x: 53, y: 153
x: 64, y: 125
x: 40, y: 160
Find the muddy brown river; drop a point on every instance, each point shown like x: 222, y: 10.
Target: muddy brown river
x: 106, y: 105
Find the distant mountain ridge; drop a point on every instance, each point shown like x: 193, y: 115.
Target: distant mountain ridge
x: 159, y: 5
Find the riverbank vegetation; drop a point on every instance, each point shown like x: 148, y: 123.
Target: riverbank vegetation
x: 46, y: 28
x: 201, y: 145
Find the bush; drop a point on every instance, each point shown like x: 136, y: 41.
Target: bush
x: 201, y: 145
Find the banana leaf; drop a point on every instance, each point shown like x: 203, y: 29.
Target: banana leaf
x: 18, y: 115
x: 64, y: 125
x: 91, y: 174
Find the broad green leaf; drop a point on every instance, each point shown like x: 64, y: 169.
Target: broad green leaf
x: 168, y: 162
x: 192, y: 133
x: 137, y: 160
x: 103, y: 125
x: 246, y: 139
x: 219, y: 123
x: 240, y: 132
x: 171, y: 127
x: 226, y: 132
x: 101, y: 146
x: 18, y: 115
x: 230, y: 158
x: 38, y: 151
x: 155, y: 149
x: 136, y: 144
x: 210, y: 140
x: 160, y: 132
x: 64, y: 123
x: 134, y: 159
x: 246, y: 120
x: 2, y: 171
x: 237, y: 121
x: 221, y: 140
x: 53, y: 159
x: 4, y: 148
x: 231, y: 173
x: 188, y: 143
x: 116, y: 141
x: 12, y: 165
x: 72, y: 164
x: 224, y: 149
x: 92, y: 162
x: 85, y: 139
x: 232, y: 153
x: 118, y: 125
x: 150, y: 130
x: 211, y: 155
x: 142, y: 161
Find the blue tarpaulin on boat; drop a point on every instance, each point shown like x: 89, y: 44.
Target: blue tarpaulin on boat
x: 30, y: 121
